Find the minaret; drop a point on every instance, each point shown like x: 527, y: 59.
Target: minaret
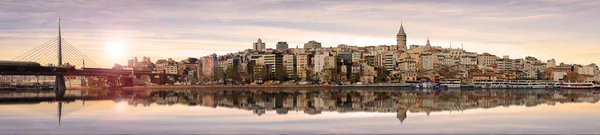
x: 428, y: 45
x: 401, y: 39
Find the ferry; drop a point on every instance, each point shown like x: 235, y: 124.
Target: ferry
x: 576, y: 85
x: 450, y: 83
x: 514, y: 84
x: 427, y: 85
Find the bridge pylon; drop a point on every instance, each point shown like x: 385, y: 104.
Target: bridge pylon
x: 59, y: 82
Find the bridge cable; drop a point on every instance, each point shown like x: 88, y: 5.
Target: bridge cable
x: 49, y: 56
x: 38, y: 54
x: 77, y: 52
x: 80, y: 53
x: 32, y: 50
x: 47, y: 60
x: 74, y: 54
x: 44, y: 54
x: 67, y: 58
x: 71, y: 58
x: 36, y: 51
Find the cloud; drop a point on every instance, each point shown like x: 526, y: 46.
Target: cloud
x: 195, y: 27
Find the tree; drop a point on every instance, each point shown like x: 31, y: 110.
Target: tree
x: 335, y: 75
x: 280, y: 74
x: 447, y: 71
x: 309, y: 76
x: 355, y: 77
x: 382, y: 74
x: 295, y: 76
x: 264, y: 74
x: 203, y: 77
x: 220, y: 75
x: 232, y: 73
x: 245, y: 77
x: 547, y: 75
x: 572, y: 77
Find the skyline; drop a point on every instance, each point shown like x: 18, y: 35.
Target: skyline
x: 197, y: 28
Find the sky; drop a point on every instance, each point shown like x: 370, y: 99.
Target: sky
x: 113, y: 31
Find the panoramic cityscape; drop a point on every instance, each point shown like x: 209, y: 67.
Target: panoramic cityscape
x: 341, y: 65
x: 349, y: 64
x: 299, y: 67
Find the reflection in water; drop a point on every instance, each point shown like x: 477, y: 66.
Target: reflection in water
x: 400, y: 102
x: 59, y: 112
x: 36, y: 97
x: 313, y: 102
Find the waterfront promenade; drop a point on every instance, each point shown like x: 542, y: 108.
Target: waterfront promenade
x: 395, y: 85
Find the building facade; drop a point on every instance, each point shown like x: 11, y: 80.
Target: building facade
x: 281, y: 45
x: 210, y: 65
x: 258, y: 45
x: 401, y: 39
x: 312, y: 45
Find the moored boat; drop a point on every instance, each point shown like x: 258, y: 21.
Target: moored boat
x: 513, y: 84
x: 576, y: 85
x: 450, y: 83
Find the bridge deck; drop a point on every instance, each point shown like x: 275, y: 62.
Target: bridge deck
x: 41, y: 70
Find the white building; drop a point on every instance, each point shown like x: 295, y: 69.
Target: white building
x: 558, y: 75
x: 319, y: 61
x: 289, y: 62
x: 75, y: 81
x: 551, y: 63
x: 408, y: 69
x: 302, y: 62
x: 427, y: 62
x: 504, y: 64
x: 258, y: 45
x: 171, y: 69
x: 356, y: 57
x: 591, y: 70
x: 468, y: 58
x: 388, y: 61
x: 486, y: 60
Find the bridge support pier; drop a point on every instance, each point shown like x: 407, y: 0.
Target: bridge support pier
x: 59, y: 86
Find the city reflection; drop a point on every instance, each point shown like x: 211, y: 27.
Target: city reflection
x: 313, y: 102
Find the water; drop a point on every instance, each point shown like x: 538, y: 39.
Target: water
x: 301, y: 111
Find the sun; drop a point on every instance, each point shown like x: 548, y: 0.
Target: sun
x: 116, y: 48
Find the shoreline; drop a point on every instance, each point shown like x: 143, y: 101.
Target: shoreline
x: 383, y: 85
x: 257, y: 86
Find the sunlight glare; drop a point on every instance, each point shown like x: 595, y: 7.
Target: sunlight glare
x: 116, y: 49
x: 121, y: 106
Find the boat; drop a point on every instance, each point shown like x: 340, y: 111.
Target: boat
x: 427, y: 85
x: 450, y: 83
x: 514, y: 84
x: 576, y: 85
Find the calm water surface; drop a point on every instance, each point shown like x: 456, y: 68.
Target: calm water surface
x: 301, y: 111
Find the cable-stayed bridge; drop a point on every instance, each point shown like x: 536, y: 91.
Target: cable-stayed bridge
x: 57, y: 57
